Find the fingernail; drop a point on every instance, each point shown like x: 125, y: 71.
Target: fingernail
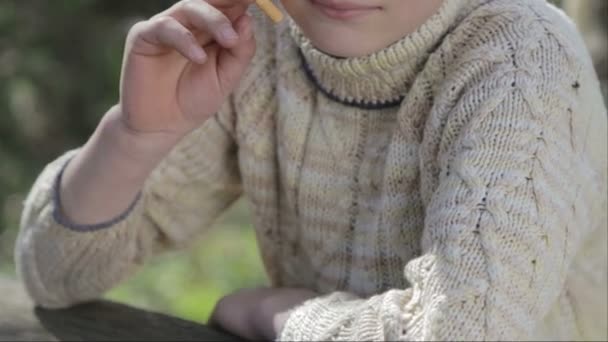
x: 198, y: 54
x: 228, y: 33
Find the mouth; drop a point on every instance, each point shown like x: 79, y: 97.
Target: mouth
x: 343, y: 10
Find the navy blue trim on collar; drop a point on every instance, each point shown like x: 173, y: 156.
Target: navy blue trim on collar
x: 350, y: 103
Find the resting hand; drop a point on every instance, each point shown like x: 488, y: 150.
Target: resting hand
x: 259, y: 313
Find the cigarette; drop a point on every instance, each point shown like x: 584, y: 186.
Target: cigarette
x: 270, y: 9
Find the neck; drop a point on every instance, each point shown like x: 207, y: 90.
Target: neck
x: 383, y: 78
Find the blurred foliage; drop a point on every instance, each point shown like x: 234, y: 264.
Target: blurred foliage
x: 59, y: 71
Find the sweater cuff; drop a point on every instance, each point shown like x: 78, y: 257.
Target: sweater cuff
x: 317, y: 317
x: 62, y: 220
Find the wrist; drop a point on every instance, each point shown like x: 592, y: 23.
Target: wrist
x: 140, y: 148
x: 105, y: 176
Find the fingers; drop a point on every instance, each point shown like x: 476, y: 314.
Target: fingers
x: 190, y: 24
x: 201, y: 16
x: 246, y: 47
x: 169, y: 33
x: 232, y: 63
x: 210, y: 20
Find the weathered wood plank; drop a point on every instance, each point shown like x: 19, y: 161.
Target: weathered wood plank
x: 17, y: 322
x: 96, y: 321
x: 108, y: 321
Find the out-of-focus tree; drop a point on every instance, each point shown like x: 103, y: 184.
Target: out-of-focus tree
x: 59, y: 71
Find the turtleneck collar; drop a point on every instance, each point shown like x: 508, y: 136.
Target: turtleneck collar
x: 381, y: 79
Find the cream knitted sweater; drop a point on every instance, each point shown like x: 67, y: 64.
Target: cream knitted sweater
x: 449, y: 187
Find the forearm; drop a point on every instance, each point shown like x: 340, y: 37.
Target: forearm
x: 104, y: 177
x: 60, y: 266
x: 192, y: 184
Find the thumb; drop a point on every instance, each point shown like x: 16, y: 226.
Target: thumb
x: 233, y: 62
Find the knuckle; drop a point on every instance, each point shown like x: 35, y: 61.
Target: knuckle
x: 136, y: 31
x: 218, y: 18
x: 189, y: 5
x: 206, y: 13
x: 137, y: 28
x: 163, y: 22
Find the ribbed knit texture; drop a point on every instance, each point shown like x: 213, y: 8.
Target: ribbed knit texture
x: 475, y: 209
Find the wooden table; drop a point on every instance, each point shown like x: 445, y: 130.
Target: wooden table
x: 98, y: 321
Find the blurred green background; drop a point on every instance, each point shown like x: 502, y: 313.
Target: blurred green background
x: 59, y: 71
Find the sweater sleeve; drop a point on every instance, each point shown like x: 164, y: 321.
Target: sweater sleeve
x: 61, y: 266
x: 501, y: 227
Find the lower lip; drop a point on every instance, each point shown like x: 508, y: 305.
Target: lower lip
x: 343, y: 14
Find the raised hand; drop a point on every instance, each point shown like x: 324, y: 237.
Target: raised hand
x: 180, y: 65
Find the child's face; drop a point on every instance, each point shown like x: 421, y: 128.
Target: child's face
x: 352, y: 28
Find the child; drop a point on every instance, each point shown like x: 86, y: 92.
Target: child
x: 417, y: 170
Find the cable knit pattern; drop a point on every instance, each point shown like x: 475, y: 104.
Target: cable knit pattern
x: 475, y: 209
